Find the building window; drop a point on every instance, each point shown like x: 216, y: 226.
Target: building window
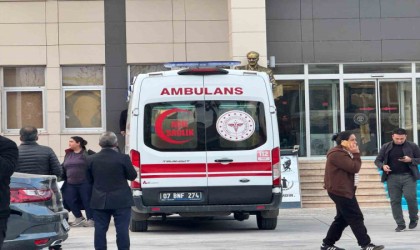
x: 134, y: 70
x: 418, y: 107
x: 23, y: 97
x: 291, y: 115
x: 83, y: 92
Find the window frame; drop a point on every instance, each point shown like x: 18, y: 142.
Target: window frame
x: 3, y: 100
x: 100, y: 88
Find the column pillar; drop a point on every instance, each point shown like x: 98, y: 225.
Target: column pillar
x: 247, y: 29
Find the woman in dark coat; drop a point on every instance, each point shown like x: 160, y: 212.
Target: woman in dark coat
x: 77, y: 190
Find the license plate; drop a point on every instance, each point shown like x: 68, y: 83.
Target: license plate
x: 181, y: 196
x: 65, y: 224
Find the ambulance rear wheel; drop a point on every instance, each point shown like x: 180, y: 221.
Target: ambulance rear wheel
x: 266, y: 223
x: 138, y: 225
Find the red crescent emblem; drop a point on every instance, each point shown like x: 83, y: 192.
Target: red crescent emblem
x: 159, y: 126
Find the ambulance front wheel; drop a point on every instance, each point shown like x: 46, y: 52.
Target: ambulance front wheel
x: 138, y: 225
x: 266, y: 223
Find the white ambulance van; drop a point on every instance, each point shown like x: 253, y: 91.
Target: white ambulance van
x: 205, y: 143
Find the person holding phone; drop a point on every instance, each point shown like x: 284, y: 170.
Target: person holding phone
x: 399, y: 159
x: 341, y: 171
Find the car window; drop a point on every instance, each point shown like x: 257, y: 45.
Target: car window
x: 172, y: 126
x: 199, y: 125
x: 235, y: 125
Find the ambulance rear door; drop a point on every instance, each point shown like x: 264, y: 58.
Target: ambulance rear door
x: 239, y: 139
x: 172, y: 150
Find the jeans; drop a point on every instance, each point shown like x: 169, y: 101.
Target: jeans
x: 72, y: 193
x: 399, y: 185
x: 348, y: 214
x: 102, y: 217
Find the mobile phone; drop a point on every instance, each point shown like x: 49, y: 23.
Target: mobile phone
x: 345, y: 143
x: 401, y: 158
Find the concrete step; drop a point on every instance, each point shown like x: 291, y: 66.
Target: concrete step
x: 330, y: 203
x: 320, y: 164
x: 370, y: 191
x: 360, y: 198
x: 360, y: 191
x: 320, y: 185
x: 319, y: 178
x: 318, y: 171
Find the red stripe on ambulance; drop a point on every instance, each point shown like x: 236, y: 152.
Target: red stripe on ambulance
x: 150, y: 171
x: 239, y: 174
x: 239, y: 166
x: 173, y: 176
x: 173, y: 168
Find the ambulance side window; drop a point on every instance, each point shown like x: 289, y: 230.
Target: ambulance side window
x: 235, y: 125
x: 174, y: 126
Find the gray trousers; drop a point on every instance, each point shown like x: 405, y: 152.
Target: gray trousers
x: 398, y: 185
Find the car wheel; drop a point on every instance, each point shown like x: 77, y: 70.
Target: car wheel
x: 266, y: 223
x: 138, y: 226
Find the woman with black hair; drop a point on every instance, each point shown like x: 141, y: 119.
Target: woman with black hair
x: 78, y: 190
x: 340, y: 180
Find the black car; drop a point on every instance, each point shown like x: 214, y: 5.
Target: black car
x: 38, y: 219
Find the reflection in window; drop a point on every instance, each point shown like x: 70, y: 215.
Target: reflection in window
x: 83, y: 88
x: 199, y: 126
x: 291, y: 115
x: 24, y: 77
x: 24, y: 109
x: 360, y: 114
x: 377, y: 68
x: 418, y: 108
x: 83, y: 109
x: 23, y: 93
x: 324, y: 103
x: 145, y: 68
x: 323, y: 69
x: 396, y: 107
x: 288, y: 69
x: 83, y: 76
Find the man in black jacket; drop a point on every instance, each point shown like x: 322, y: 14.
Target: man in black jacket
x: 109, y: 171
x: 399, y: 159
x: 35, y: 158
x: 8, y: 161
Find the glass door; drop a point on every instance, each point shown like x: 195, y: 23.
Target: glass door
x: 324, y: 115
x: 373, y: 108
x: 396, y: 108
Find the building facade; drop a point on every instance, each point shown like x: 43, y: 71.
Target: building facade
x: 65, y: 65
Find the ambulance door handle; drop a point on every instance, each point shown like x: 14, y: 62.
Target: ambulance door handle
x: 223, y: 160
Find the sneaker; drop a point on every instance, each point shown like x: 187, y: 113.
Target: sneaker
x: 330, y: 247
x: 373, y: 247
x: 89, y: 223
x: 400, y: 228
x: 413, y: 224
x: 77, y: 222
